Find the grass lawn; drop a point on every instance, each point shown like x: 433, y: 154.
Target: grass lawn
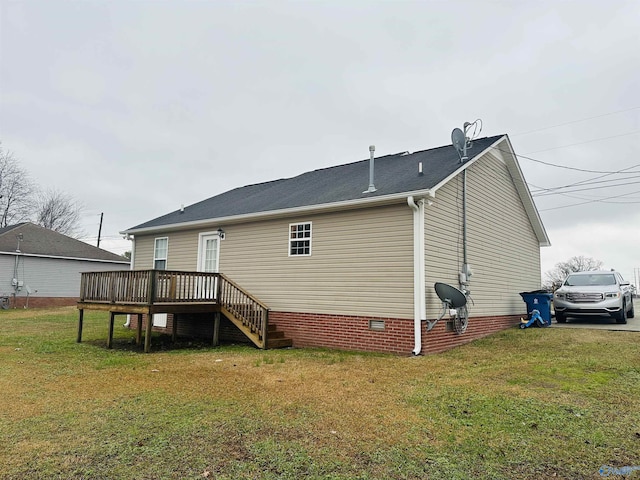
x: 522, y: 404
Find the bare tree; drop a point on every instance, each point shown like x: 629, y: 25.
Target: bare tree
x: 557, y: 275
x: 16, y: 191
x: 58, y: 211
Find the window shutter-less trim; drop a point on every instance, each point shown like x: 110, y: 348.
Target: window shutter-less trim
x: 300, y: 239
x: 160, y: 251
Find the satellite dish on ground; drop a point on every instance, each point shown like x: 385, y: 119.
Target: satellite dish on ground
x: 453, y: 297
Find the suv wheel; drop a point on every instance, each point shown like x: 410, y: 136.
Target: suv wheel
x: 621, y: 316
x: 631, y: 313
x: 561, y: 318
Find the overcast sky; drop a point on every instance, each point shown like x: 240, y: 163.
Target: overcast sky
x: 137, y: 107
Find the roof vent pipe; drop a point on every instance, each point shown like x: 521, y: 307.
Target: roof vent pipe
x: 372, y: 187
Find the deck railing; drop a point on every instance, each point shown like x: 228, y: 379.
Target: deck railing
x: 154, y: 287
x: 148, y: 287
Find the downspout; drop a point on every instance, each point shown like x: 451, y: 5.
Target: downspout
x: 419, y: 281
x: 131, y: 267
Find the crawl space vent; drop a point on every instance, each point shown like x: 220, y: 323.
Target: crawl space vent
x: 376, y: 324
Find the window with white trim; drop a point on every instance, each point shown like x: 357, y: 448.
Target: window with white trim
x: 160, y: 251
x: 300, y: 239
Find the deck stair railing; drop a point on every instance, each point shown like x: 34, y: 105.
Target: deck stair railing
x: 251, y: 312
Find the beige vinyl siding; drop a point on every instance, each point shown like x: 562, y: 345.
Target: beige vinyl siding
x: 182, y: 251
x: 143, y: 257
x: 502, y: 248
x: 361, y: 263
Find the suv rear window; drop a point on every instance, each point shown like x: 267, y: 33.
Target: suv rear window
x: 586, y: 280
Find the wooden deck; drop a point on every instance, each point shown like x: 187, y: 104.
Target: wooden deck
x: 146, y: 292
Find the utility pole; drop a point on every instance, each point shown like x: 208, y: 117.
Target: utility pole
x: 100, y: 228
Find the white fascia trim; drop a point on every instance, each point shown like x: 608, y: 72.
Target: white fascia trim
x: 57, y: 257
x: 464, y: 166
x: 307, y: 209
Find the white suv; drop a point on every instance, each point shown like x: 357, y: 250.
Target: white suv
x: 594, y: 293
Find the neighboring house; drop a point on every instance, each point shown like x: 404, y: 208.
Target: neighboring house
x: 40, y: 267
x: 341, y: 265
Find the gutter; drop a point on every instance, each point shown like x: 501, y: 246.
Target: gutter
x: 419, y: 270
x: 60, y: 257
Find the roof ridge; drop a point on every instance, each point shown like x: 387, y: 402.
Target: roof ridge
x: 315, y: 170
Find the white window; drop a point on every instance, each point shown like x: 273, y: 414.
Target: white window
x: 160, y: 253
x: 299, y: 239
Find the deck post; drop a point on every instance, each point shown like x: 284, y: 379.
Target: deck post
x: 147, y: 334
x: 139, y: 329
x: 80, y: 318
x: 112, y: 316
x: 216, y: 329
x: 174, y: 328
x: 151, y: 291
x: 265, y: 328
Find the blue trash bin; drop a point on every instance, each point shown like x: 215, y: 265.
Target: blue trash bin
x: 539, y: 300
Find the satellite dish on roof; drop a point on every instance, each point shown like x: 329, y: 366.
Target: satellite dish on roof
x: 459, y: 140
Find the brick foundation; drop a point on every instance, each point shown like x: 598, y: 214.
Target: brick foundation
x: 43, y: 302
x: 345, y: 332
x: 353, y: 333
x: 439, y: 339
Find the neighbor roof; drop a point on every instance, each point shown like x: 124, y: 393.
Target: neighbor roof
x: 40, y: 241
x: 343, y: 184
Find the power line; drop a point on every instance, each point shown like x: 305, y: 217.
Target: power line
x: 564, y: 166
x: 589, y: 181
x: 632, y: 200
x: 575, y: 121
x: 578, y: 184
x: 545, y: 194
x: 588, y: 141
x: 592, y: 201
x: 577, y: 197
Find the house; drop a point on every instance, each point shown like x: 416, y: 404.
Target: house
x: 346, y: 257
x: 40, y: 267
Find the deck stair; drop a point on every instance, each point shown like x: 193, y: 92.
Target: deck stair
x: 276, y: 338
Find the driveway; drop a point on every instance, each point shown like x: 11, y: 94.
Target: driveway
x: 601, y: 323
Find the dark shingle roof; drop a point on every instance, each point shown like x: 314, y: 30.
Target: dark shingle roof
x: 394, y: 174
x: 38, y: 240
